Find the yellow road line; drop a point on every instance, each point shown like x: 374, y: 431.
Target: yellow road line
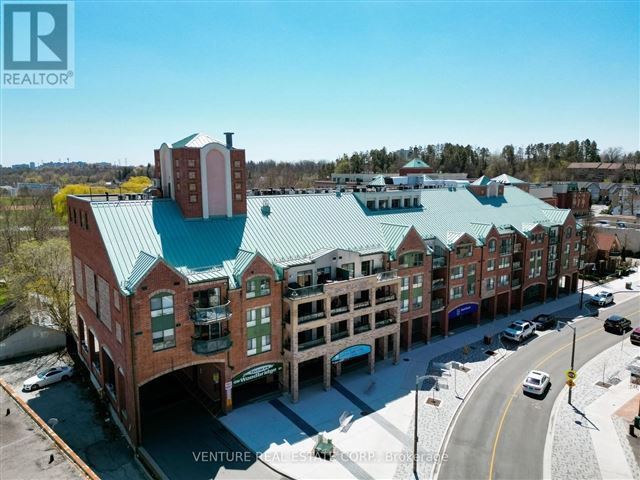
x: 508, y: 406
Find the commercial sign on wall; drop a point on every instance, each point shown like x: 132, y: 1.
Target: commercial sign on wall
x: 351, y: 352
x: 463, y: 310
x: 256, y: 372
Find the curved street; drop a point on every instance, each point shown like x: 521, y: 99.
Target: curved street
x: 500, y: 432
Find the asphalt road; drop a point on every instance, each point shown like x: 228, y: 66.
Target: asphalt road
x: 501, y: 433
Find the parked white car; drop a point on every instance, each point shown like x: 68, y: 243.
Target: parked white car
x: 602, y: 298
x: 519, y: 331
x: 536, y: 382
x: 47, y: 377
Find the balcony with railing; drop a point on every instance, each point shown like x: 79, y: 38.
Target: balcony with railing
x: 517, y: 248
x: 385, y: 295
x: 383, y: 319
x: 386, y: 276
x: 339, y: 330
x: 438, y: 284
x: 517, y: 265
x: 304, y: 292
x: 515, y: 283
x: 208, y: 346
x: 439, y: 261
x: 437, y: 304
x: 310, y: 316
x: 306, y: 345
x: 553, y: 239
x: 203, y: 316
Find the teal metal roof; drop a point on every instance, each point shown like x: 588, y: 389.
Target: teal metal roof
x: 416, y: 163
x: 377, y: 182
x: 507, y: 179
x: 141, y: 266
x: 480, y: 230
x: 393, y: 235
x: 243, y: 260
x: 298, y: 227
x: 483, y: 180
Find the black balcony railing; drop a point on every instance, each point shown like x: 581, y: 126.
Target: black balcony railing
x: 384, y: 321
x: 358, y: 304
x: 337, y: 310
x: 208, y: 346
x: 310, y: 317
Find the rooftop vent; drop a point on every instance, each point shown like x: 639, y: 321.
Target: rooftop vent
x: 266, y: 208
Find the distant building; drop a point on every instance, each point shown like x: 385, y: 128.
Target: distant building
x: 8, y: 190
x: 598, y: 172
x: 20, y: 339
x: 415, y: 166
x: 26, y: 188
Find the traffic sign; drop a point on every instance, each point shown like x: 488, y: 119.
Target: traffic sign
x: 571, y: 374
x: 571, y: 383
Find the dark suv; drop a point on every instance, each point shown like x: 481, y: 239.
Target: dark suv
x: 617, y: 323
x: 544, y: 321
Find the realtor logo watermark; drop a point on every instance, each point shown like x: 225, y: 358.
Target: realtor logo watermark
x: 38, y: 44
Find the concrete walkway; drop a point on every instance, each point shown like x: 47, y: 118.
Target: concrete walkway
x: 370, y: 417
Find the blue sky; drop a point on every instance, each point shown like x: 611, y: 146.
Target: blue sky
x: 307, y: 80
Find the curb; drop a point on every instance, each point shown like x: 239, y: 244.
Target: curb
x: 551, y: 429
x: 445, y: 441
x: 64, y: 448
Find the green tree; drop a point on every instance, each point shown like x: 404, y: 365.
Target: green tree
x: 39, y: 278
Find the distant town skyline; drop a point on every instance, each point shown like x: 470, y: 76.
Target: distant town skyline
x: 310, y: 81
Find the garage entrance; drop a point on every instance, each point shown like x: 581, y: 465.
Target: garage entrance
x: 256, y: 383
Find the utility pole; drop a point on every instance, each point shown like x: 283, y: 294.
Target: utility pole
x: 573, y: 352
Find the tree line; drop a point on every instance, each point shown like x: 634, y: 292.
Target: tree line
x: 536, y: 162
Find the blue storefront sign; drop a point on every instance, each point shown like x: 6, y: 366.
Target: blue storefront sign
x: 463, y: 310
x: 351, y: 352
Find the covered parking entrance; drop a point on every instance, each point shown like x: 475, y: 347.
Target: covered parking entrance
x: 256, y: 383
x: 177, y: 420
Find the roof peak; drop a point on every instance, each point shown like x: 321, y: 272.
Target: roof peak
x: 195, y: 140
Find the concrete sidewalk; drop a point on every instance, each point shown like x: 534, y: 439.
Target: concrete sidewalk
x: 376, y: 440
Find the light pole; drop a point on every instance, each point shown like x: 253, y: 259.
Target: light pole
x: 584, y: 267
x: 419, y: 380
x: 573, y: 353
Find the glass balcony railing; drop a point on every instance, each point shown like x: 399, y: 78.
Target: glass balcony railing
x: 208, y: 346
x: 210, y: 314
x: 311, y: 343
x: 382, y: 322
x: 439, y: 262
x: 339, y: 309
x: 385, y: 298
x: 517, y: 265
x: 303, y: 292
x: 437, y: 304
x: 310, y: 317
x: 390, y: 275
x: 515, y: 283
x: 437, y: 284
x: 365, y: 327
x: 358, y: 304
x: 338, y: 335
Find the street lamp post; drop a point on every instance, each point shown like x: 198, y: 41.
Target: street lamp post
x: 573, y: 353
x: 419, y: 379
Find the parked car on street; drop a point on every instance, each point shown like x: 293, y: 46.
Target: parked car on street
x: 617, y: 324
x: 544, y: 321
x: 536, y: 382
x: 47, y: 377
x: 635, y: 336
x: 519, y: 331
x: 602, y: 298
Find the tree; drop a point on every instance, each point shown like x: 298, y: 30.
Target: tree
x: 39, y: 277
x: 508, y: 155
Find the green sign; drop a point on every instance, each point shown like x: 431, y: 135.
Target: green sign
x: 256, y: 372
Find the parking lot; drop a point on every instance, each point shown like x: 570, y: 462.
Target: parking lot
x: 79, y: 417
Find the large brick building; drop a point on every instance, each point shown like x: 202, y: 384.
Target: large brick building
x: 241, y: 296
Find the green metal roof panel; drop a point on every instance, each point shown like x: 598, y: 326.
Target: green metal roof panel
x: 243, y: 259
x: 507, y: 179
x: 393, y: 235
x: 483, y: 180
x: 480, y: 230
x: 300, y: 225
x: 377, y: 182
x: 416, y: 163
x: 141, y: 267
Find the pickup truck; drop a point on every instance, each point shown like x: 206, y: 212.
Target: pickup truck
x: 519, y: 331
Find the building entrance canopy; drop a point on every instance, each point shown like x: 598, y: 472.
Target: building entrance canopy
x: 351, y: 352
